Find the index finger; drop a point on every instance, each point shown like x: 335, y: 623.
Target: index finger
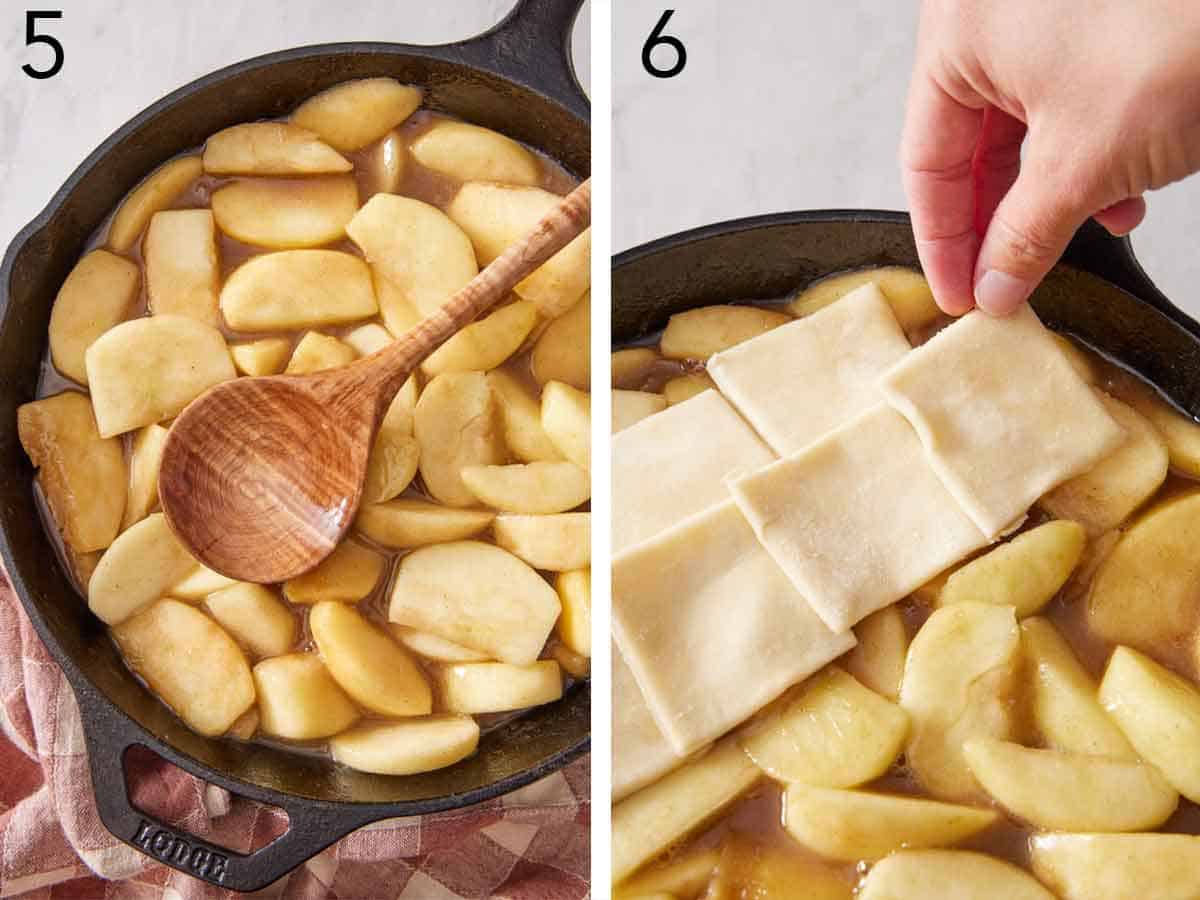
x: 936, y: 152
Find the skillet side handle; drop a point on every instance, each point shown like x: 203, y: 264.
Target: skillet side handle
x: 536, y: 36
x: 312, y: 826
x: 1094, y: 250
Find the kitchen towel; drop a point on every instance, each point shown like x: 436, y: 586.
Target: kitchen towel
x: 530, y: 845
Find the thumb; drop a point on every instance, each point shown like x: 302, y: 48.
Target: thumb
x: 1027, y: 234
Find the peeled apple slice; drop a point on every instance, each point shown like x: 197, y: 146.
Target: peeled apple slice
x: 470, y: 153
x: 859, y: 825
x: 286, y: 214
x: 266, y: 356
x: 353, y: 114
x: 81, y: 474
x: 656, y: 817
x: 1025, y: 572
x: 961, y: 670
x: 948, y: 875
x: 699, y: 333
x: 182, y: 265
x: 1107, y: 494
x: 477, y: 595
x: 138, y: 568
x: 456, y: 425
x: 416, y: 247
x: 348, y: 574
x: 491, y: 687
x: 567, y: 421
x: 407, y: 748
x: 271, y: 148
x: 521, y: 414
x: 537, y: 488
x: 1160, y: 714
x: 433, y: 647
x: 367, y: 664
x: 156, y: 193
x: 833, y: 733
x: 408, y: 522
x: 484, y: 344
x: 1062, y: 696
x: 299, y: 700
x: 554, y: 543
x: 496, y: 216
x: 296, y: 289
x: 1143, y: 594
x: 98, y: 294
x: 630, y: 407
x: 148, y: 369
x: 254, y: 615
x: 1118, y: 866
x: 190, y: 663
x: 1060, y: 791
x: 563, y: 350
x: 877, y: 660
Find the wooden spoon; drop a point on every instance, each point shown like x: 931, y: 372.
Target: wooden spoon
x: 261, y: 477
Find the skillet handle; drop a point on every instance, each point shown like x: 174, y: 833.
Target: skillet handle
x: 1094, y: 250
x: 312, y: 827
x: 536, y: 36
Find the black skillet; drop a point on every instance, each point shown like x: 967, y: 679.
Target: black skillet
x: 517, y: 78
x: 1099, y: 293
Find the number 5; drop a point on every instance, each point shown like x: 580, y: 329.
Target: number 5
x: 657, y: 38
x: 32, y: 37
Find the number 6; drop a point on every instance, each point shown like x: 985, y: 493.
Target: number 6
x: 656, y: 38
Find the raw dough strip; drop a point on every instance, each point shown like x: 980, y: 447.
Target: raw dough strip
x: 675, y: 463
x: 711, y: 627
x: 858, y: 519
x: 1003, y: 415
x: 640, y: 752
x: 798, y: 382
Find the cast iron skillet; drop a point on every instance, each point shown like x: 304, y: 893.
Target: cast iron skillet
x: 1099, y: 293
x: 516, y: 78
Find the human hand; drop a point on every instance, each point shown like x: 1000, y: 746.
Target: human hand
x: 1104, y: 97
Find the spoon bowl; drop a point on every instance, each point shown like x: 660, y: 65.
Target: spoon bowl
x: 261, y: 477
x: 289, y: 489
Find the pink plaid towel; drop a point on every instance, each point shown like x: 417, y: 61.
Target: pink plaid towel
x: 531, y: 845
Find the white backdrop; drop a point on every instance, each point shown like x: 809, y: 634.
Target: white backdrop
x: 122, y: 55
x: 795, y: 104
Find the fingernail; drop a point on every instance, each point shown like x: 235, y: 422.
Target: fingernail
x: 999, y: 293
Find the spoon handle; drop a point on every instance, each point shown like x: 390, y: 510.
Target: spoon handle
x: 565, y: 222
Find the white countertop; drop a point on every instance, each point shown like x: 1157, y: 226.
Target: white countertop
x: 795, y: 105
x: 122, y: 55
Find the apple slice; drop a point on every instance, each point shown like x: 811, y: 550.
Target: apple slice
x: 81, y: 474
x: 271, y: 148
x: 1160, y: 714
x: 407, y: 748
x: 1118, y: 866
x: 295, y: 289
x: 351, y: 115
x: 859, y: 825
x: 1059, y: 791
x: 957, y: 874
x: 286, y: 213
x: 834, y: 733
x: 299, y: 700
x: 368, y: 665
x: 100, y: 292
x: 190, y: 663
